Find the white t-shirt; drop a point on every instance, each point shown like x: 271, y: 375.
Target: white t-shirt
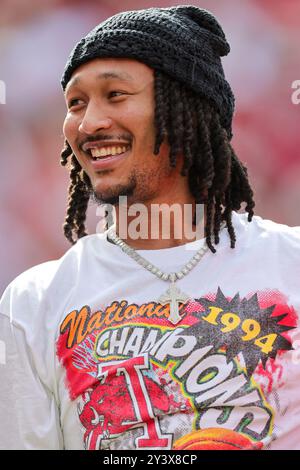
x: 93, y: 362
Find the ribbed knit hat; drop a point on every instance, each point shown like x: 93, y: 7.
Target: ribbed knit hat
x: 185, y: 42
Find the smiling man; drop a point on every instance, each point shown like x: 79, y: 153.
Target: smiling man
x: 110, y: 128
x: 154, y: 342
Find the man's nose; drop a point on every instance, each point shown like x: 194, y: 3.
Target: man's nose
x: 94, y: 120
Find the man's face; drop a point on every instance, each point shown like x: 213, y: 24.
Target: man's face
x: 110, y: 128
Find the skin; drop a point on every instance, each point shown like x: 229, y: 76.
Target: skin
x: 113, y: 100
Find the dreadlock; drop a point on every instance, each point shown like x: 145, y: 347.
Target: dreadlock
x: 191, y: 125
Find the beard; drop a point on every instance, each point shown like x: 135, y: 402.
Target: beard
x: 111, y: 198
x: 112, y: 195
x: 137, y: 189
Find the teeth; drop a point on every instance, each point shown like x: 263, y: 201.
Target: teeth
x: 105, y: 151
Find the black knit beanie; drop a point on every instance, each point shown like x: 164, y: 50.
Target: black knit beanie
x: 185, y: 42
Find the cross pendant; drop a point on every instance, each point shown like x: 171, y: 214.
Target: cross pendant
x: 173, y: 296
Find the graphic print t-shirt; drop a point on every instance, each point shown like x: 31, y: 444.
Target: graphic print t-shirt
x: 94, y: 362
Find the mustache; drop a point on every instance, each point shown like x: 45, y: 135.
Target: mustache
x: 104, y: 137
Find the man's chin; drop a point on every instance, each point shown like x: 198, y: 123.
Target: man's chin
x: 100, y: 198
x: 112, y: 196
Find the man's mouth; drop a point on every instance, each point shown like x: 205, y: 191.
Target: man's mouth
x: 109, y: 151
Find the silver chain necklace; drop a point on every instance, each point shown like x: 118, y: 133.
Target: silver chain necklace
x: 173, y: 295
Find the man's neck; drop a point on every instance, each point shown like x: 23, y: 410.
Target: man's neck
x: 154, y: 228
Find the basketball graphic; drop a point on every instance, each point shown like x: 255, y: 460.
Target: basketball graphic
x: 216, y: 439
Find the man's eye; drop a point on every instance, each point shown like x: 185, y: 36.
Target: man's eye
x: 115, y: 94
x: 74, y: 102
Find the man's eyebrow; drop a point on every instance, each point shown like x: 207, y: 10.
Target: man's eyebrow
x: 104, y: 75
x: 119, y: 75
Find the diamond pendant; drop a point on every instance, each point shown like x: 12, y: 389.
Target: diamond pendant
x: 173, y: 296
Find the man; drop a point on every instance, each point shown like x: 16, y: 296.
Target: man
x: 155, y: 342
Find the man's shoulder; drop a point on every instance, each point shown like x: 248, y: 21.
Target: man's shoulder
x: 41, y: 277
x: 264, y: 231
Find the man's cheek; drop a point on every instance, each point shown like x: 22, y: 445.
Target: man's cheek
x: 70, y: 128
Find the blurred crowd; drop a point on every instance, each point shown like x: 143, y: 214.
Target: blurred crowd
x: 35, y: 40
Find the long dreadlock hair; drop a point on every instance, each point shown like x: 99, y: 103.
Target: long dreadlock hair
x: 191, y: 125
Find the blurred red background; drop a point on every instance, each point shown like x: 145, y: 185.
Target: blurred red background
x: 35, y: 40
